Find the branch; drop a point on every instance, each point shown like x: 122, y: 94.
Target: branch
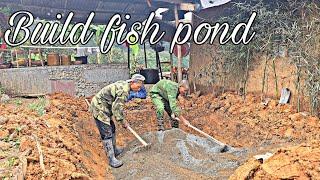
x: 40, y: 152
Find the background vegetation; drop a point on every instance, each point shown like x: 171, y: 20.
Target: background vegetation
x: 288, y: 28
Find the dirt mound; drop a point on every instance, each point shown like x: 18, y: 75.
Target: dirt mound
x: 238, y: 122
x: 298, y: 162
x: 71, y: 146
x: 175, y: 154
x: 62, y: 129
x: 249, y: 122
x: 258, y: 127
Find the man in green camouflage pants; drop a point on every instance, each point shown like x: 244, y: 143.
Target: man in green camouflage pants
x: 164, y: 96
x: 109, y: 102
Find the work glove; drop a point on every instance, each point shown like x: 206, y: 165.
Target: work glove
x: 173, y: 116
x: 124, y: 124
x: 183, y: 120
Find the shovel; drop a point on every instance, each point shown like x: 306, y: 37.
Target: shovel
x: 145, y: 146
x: 224, y: 148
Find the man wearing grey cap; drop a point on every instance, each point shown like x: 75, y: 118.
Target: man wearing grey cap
x: 109, y: 102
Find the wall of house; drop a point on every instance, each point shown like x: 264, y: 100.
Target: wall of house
x: 76, y: 80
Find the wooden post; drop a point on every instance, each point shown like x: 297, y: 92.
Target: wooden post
x: 159, y: 63
x: 145, y: 55
x: 171, y: 67
x: 179, y: 65
x: 41, y: 58
x: 29, y: 58
x: 129, y: 58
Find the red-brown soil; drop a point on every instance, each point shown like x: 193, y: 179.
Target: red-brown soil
x: 72, y: 148
x: 67, y: 135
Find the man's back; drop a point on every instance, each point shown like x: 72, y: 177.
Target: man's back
x: 165, y: 88
x: 107, y: 95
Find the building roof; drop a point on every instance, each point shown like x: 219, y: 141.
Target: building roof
x: 104, y: 9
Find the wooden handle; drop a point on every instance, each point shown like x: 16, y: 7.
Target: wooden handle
x: 137, y: 136
x: 87, y: 102
x: 203, y: 133
x: 130, y: 129
x: 207, y: 135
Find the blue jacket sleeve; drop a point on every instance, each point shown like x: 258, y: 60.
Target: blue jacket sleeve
x: 142, y: 94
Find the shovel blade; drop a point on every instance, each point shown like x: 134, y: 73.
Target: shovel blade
x: 139, y: 149
x: 225, y: 148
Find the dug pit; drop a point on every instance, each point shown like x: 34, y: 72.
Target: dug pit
x: 175, y: 154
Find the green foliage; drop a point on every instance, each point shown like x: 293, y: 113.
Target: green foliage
x: 282, y: 27
x: 2, y: 90
x: 39, y: 106
x: 18, y: 102
x: 13, y: 161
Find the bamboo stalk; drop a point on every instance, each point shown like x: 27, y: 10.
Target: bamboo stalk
x: 247, y: 74
x: 275, y: 77
x: 264, y: 77
x: 298, y: 86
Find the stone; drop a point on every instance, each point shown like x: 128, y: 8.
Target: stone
x: 4, y: 98
x: 3, y: 120
x: 80, y: 176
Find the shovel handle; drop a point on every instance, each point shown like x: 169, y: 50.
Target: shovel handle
x: 203, y: 133
x: 207, y: 135
x: 130, y: 129
x: 137, y: 136
x: 87, y: 102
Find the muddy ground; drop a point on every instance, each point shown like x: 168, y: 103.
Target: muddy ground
x: 71, y: 148
x: 175, y: 154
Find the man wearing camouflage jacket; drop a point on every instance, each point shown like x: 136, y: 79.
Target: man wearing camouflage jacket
x: 164, y: 96
x: 109, y: 102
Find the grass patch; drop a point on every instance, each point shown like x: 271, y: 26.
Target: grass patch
x: 39, y: 106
